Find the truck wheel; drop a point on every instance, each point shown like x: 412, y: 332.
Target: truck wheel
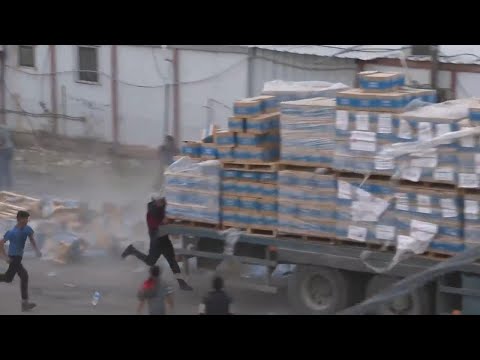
x: 417, y: 302
x: 317, y: 290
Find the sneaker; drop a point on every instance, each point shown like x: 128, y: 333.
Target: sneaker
x: 128, y: 251
x: 27, y: 306
x: 184, y: 285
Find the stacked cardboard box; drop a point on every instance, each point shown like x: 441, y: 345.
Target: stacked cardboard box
x: 308, y: 132
x: 249, y: 199
x: 430, y: 213
x: 193, y: 190
x: 365, y: 212
x: 306, y: 203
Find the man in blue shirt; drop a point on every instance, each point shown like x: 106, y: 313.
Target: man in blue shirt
x: 17, y: 238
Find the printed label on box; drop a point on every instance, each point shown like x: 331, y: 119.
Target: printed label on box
x: 468, y: 141
x: 364, y: 136
x: 342, y: 120
x: 405, y: 242
x: 362, y: 121
x: 384, y: 124
x: 443, y: 174
x: 476, y: 159
x: 449, y: 210
x: 363, y: 146
x: 471, y: 209
x: 443, y: 129
x: 384, y: 163
x: 426, y: 162
x: 344, y: 190
x: 412, y: 174
x: 401, y: 201
x: 357, y: 233
x: 404, y: 130
x: 424, y: 204
x: 468, y: 181
x: 422, y: 230
x: 384, y: 232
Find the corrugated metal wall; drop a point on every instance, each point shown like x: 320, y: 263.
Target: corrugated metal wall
x: 271, y: 65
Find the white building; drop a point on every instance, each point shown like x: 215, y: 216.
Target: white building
x: 118, y: 93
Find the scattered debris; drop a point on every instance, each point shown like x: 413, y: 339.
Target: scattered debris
x: 52, y: 274
x: 69, y: 285
x: 96, y: 298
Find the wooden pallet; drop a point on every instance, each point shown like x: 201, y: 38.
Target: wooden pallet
x: 438, y: 255
x: 427, y: 185
x: 253, y: 166
x: 301, y: 166
x: 257, y: 230
x: 304, y: 237
x: 349, y: 174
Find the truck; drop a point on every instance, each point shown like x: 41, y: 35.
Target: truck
x: 328, y: 278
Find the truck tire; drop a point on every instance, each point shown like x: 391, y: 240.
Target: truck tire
x: 318, y: 290
x: 418, y: 302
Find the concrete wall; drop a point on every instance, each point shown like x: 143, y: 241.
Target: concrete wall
x: 209, y: 75
x: 25, y: 90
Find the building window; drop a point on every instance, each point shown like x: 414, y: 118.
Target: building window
x: 26, y: 55
x: 88, y: 63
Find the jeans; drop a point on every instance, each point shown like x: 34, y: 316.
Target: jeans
x: 14, y: 268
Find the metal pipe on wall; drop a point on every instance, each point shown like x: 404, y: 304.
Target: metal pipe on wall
x: 176, y: 96
x: 3, y: 116
x: 114, y: 92
x: 53, y: 87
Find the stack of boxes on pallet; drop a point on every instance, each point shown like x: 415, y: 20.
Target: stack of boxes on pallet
x: 249, y: 198
x: 469, y: 178
x: 434, y: 212
x: 193, y: 191
x: 365, y: 210
x: 253, y: 134
x: 306, y: 202
x: 369, y: 118
x: 308, y: 132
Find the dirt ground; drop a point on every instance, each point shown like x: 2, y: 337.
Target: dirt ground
x: 68, y: 289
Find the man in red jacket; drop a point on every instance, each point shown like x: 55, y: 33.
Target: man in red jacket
x: 159, y: 245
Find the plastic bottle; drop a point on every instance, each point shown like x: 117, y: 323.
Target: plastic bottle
x: 96, y: 298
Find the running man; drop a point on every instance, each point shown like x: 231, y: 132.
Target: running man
x: 17, y: 238
x: 159, y: 245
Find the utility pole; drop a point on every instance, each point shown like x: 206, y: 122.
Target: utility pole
x: 435, y: 66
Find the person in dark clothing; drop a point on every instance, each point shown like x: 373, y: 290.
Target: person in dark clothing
x: 217, y: 302
x: 159, y: 245
x: 17, y: 238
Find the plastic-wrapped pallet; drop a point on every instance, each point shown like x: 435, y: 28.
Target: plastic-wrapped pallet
x: 365, y: 212
x: 249, y: 199
x: 308, y: 132
x: 292, y: 91
x: 366, y: 122
x: 471, y: 212
x: 437, y: 164
x: 193, y: 190
x: 431, y: 212
x: 306, y: 203
x: 468, y: 154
